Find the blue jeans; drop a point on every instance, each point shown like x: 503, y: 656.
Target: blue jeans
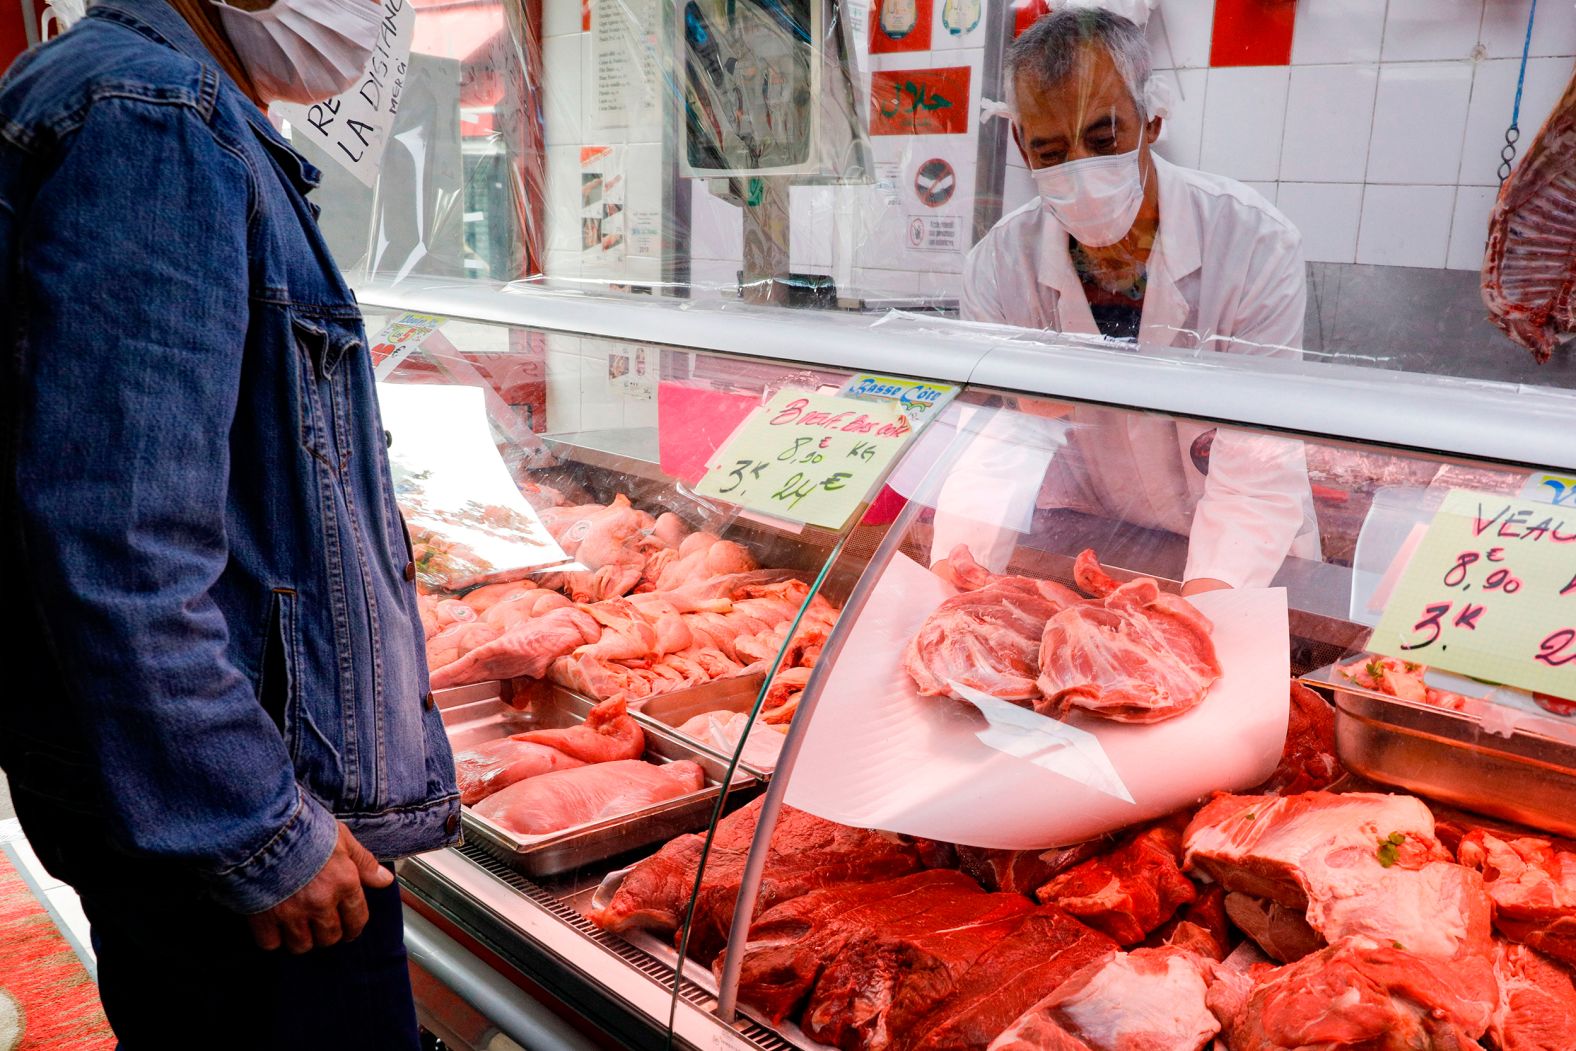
x: 186, y: 974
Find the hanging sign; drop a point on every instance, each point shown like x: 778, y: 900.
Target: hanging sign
x: 353, y: 128
x: 1491, y: 593
x: 915, y: 397
x: 808, y: 457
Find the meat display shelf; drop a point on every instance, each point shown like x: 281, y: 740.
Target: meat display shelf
x: 542, y: 941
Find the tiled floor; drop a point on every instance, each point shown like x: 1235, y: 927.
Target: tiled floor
x: 59, y: 899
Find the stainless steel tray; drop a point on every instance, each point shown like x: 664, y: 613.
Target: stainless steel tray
x: 473, y: 715
x: 1446, y: 755
x: 671, y: 710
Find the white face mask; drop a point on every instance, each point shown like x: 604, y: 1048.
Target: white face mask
x: 1096, y: 199
x: 303, y: 50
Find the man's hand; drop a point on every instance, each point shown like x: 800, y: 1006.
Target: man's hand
x: 328, y: 910
x: 1200, y: 585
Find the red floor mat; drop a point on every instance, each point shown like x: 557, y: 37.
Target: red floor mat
x: 40, y: 972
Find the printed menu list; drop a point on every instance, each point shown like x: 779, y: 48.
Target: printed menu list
x: 808, y: 457
x: 1490, y: 593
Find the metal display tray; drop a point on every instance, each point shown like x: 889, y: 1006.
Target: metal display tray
x: 1447, y: 755
x: 476, y: 714
x: 669, y: 711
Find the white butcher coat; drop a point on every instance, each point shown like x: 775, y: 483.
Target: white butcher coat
x: 1225, y: 274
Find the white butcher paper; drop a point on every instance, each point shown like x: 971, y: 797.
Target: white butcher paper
x: 878, y: 755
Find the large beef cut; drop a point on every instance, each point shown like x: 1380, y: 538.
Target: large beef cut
x: 1308, y: 761
x: 1356, y: 863
x: 1529, y: 269
x: 1046, y: 949
x: 1537, y: 1003
x: 1024, y: 871
x: 556, y: 801
x: 1128, y: 892
x: 888, y: 977
x: 1280, y: 932
x: 806, y: 852
x: 791, y: 943
x: 1148, y: 998
x: 988, y: 636
x: 1136, y: 655
x: 1533, y: 887
x: 495, y: 765
x: 1361, y: 995
x: 1200, y: 926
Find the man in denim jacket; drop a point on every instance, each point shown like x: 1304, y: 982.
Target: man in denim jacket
x: 218, y: 716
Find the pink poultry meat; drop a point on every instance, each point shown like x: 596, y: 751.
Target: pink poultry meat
x: 523, y: 606
x: 496, y: 765
x: 526, y: 651
x: 612, y: 542
x: 1136, y: 655
x: 452, y: 642
x: 556, y: 801
x: 1126, y: 1001
x: 608, y: 734
x: 698, y: 557
x: 987, y: 637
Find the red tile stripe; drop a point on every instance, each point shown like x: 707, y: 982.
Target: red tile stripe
x: 1252, y: 33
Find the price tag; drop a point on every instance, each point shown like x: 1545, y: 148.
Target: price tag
x: 915, y: 397
x: 399, y: 339
x: 808, y: 457
x: 1490, y: 593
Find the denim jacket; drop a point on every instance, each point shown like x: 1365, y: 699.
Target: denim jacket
x: 217, y: 650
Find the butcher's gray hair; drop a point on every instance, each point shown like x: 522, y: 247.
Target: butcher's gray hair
x: 1048, y: 51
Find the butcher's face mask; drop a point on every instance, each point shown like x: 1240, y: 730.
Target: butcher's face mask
x: 303, y: 50
x: 1087, y: 146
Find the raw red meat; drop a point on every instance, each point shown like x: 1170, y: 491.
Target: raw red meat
x: 1281, y: 932
x: 1024, y: 871
x: 1128, y: 892
x: 496, y: 765
x: 987, y: 637
x: 1138, y: 655
x: 608, y: 734
x: 1533, y: 887
x: 556, y: 801
x: 1308, y: 759
x: 791, y: 943
x: 1537, y: 1003
x: 1529, y: 269
x: 1356, y: 863
x: 1199, y: 927
x: 806, y: 852
x: 526, y: 651
x: 1148, y: 998
x: 1044, y: 950
x: 1359, y: 995
x: 888, y: 977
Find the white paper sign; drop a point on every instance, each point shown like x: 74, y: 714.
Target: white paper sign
x: 353, y: 128
x: 878, y: 755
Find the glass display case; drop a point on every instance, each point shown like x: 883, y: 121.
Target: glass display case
x: 1124, y: 679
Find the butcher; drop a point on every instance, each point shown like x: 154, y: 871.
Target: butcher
x: 218, y: 728
x: 1125, y: 248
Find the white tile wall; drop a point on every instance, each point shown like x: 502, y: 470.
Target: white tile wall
x: 1331, y: 31
x: 1182, y: 132
x: 1431, y: 29
x: 1469, y: 227
x: 1268, y: 190
x: 563, y: 70
x: 811, y: 227
x: 1405, y: 225
x: 1179, y: 33
x: 1420, y: 115
x: 1505, y: 28
x: 560, y: 17
x: 1243, y: 121
x: 1327, y: 110
x: 1493, y: 98
x: 1327, y: 214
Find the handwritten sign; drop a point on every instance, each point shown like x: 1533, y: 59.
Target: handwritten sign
x: 915, y: 397
x: 808, y: 457
x: 399, y: 339
x: 353, y: 128
x: 1490, y: 593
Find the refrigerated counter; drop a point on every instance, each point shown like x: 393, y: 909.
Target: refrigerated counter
x: 1298, y: 486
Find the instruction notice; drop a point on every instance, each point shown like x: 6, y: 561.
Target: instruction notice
x: 353, y: 128
x: 808, y: 457
x: 1490, y: 592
